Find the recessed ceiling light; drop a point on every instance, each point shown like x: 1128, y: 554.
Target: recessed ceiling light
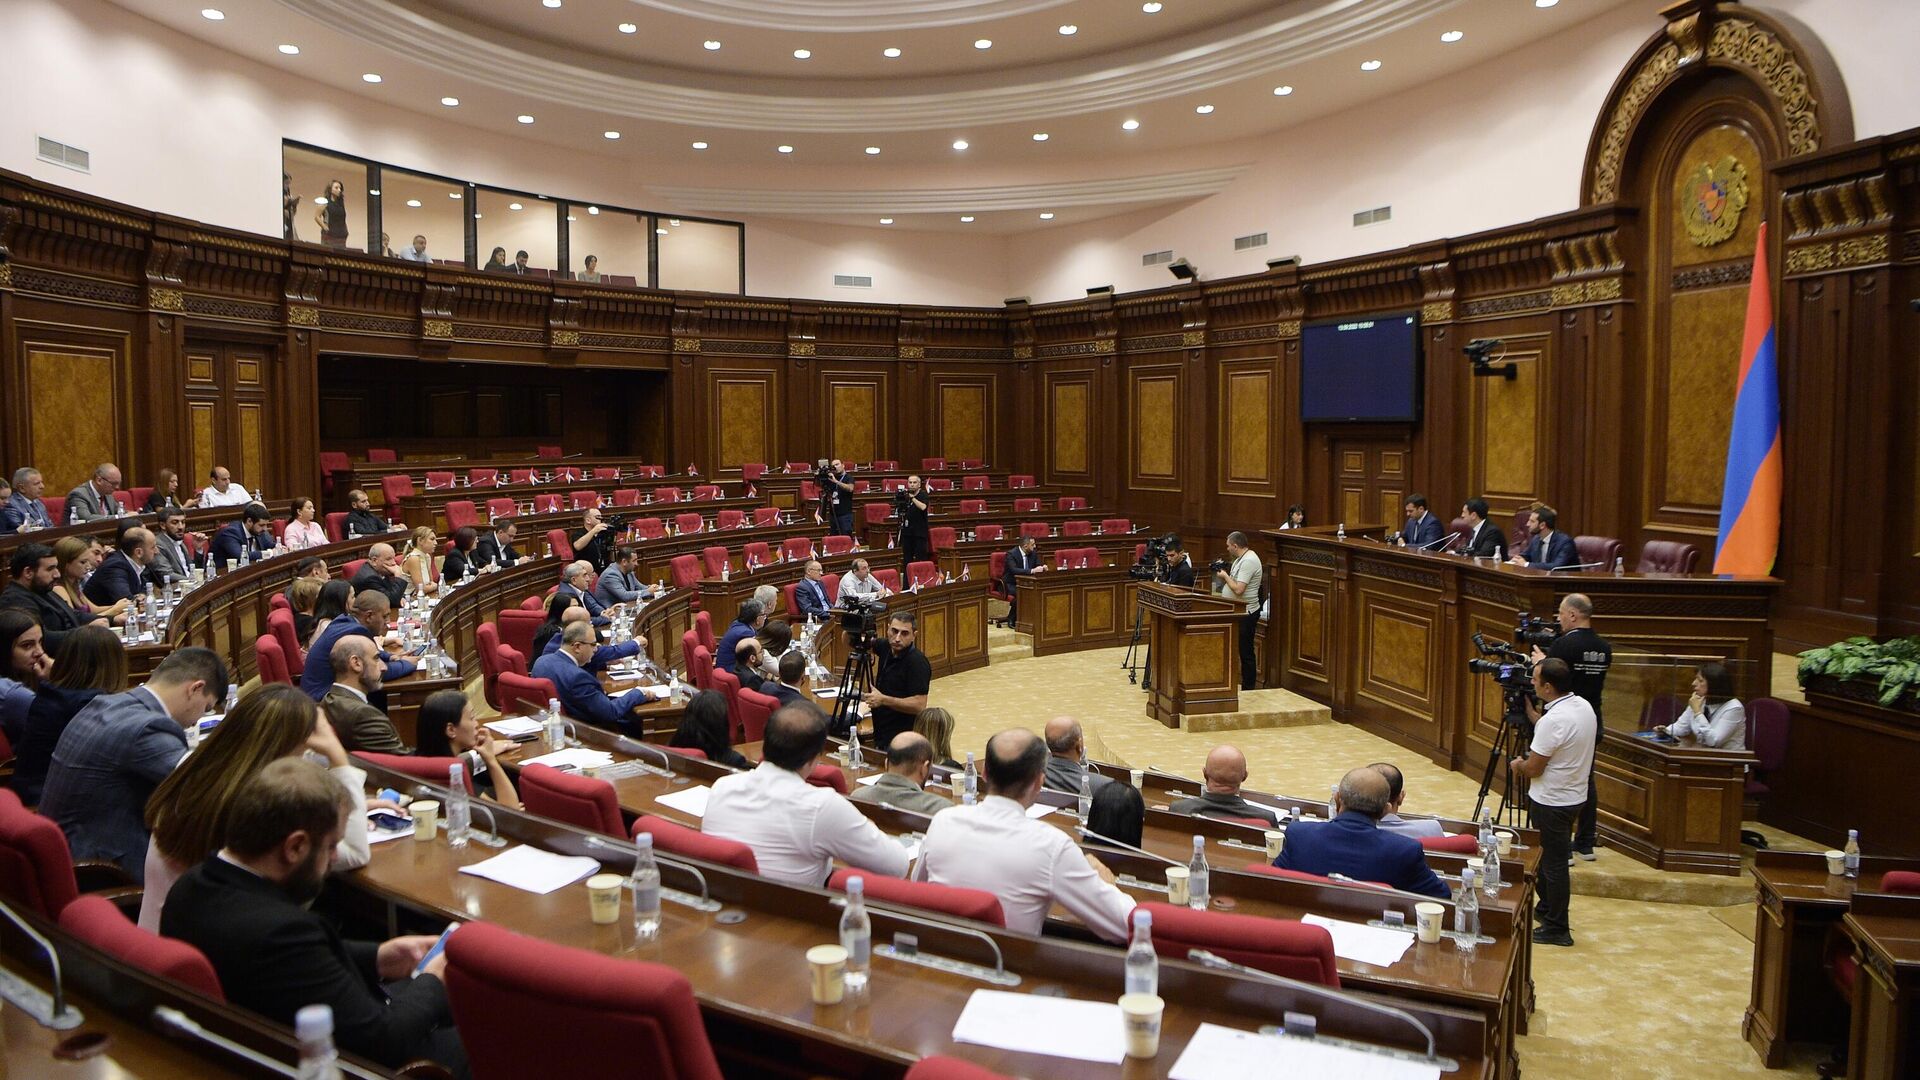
x: 959, y: 144
x: 370, y: 77
x: 784, y: 148
x: 701, y: 145
x: 611, y: 134
x: 983, y: 43
x: 710, y: 45
x: 1069, y: 30
x: 1203, y: 110
x: 550, y: 3
x: 890, y: 52
x: 660, y: 232
x: 415, y: 203
x: 212, y: 14
x: 593, y: 210
x: 966, y: 217
x: 1041, y: 136
x: 1370, y: 65
x: 524, y: 118
x: 886, y: 221
x: 1046, y: 215
x: 450, y: 102
x: 515, y: 206
x: 1282, y: 91
x: 629, y: 28
x: 1130, y: 125
x: 802, y: 54
x: 290, y: 50
x: 1151, y: 7
x: 453, y: 194
x: 872, y: 150
x: 1536, y: 3
x: 319, y: 200
x: 1452, y: 36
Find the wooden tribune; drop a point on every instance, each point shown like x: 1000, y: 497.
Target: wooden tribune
x: 1195, y: 660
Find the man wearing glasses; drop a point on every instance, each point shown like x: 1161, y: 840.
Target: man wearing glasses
x: 93, y: 499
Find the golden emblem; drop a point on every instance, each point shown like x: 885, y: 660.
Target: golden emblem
x: 1713, y: 197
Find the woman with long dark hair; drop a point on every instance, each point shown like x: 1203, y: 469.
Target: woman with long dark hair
x: 459, y: 561
x: 91, y: 662
x: 703, y: 727
x: 497, y: 262
x: 557, y: 606
x: 303, y: 531
x: 447, y: 727
x: 24, y: 664
x: 1118, y: 813
x: 166, y: 494
x: 335, y: 597
x: 332, y: 217
x: 1713, y: 716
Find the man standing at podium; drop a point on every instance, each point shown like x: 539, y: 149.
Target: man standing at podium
x: 1240, y: 580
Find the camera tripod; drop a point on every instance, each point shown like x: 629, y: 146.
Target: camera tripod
x: 1513, y: 719
x: 855, y: 676
x: 1138, y: 660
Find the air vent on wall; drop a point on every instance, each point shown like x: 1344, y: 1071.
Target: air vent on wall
x: 1373, y: 217
x: 1156, y: 258
x: 1248, y: 243
x: 853, y: 281
x: 70, y: 157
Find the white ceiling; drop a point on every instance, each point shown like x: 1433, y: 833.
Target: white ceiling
x: 579, y: 76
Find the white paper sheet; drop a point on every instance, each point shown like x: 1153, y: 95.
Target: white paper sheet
x: 1364, y: 944
x: 514, y: 727
x: 534, y: 870
x: 659, y: 693
x: 870, y: 780
x: 691, y: 801
x: 578, y: 757
x: 1216, y: 1052
x: 1029, y: 1024
x: 1040, y: 810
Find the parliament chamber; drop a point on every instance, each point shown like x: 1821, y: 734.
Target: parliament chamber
x: 772, y: 657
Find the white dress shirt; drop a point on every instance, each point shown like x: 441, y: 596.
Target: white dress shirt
x: 996, y: 847
x: 1564, y: 735
x: 1723, y: 725
x: 235, y: 495
x: 851, y: 585
x: 795, y: 829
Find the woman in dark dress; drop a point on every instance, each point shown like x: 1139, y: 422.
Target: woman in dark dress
x: 497, y: 262
x: 91, y: 662
x: 703, y: 727
x: 166, y: 494
x: 556, y: 607
x: 459, y: 561
x: 332, y: 218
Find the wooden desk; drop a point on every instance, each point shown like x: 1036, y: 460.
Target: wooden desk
x: 1071, y: 610
x: 1883, y: 1042
x: 783, y: 488
x: 1675, y: 806
x: 1193, y: 652
x: 429, y: 506
x: 199, y: 520
x: 1851, y: 768
x: 998, y: 512
x: 975, y: 557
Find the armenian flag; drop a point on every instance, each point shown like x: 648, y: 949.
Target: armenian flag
x: 1750, y: 497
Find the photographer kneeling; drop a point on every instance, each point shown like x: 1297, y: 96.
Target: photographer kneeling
x: 1238, y: 578
x: 1557, y: 762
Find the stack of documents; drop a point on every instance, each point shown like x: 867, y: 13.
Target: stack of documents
x: 691, y: 801
x: 1029, y: 1024
x: 575, y: 757
x: 1216, y: 1052
x: 1364, y: 944
x: 517, y: 728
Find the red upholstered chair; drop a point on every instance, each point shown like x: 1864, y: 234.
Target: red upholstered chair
x: 56, y: 508
x: 486, y: 639
x: 990, y: 532
x: 700, y: 667
x: 517, y: 627
x: 36, y: 866
x: 281, y: 625
x: 1071, y: 502
x: 1458, y: 843
x: 666, y: 494
x: 1026, y: 506
x: 483, y: 478
x: 729, y: 686
x: 729, y: 519
x: 268, y: 661
x: 546, y: 504
x: 502, y: 507
x: 997, y: 575
x: 941, y: 1067
x: 756, y: 554
x: 1019, y: 480
x: 1283, y: 947
x: 606, y: 472
x: 559, y: 545
x: 861, y: 487
x: 885, y: 465
x: 584, y: 802
x: 377, y: 455
x: 1139, y: 552
x: 932, y: 464
x: 973, y: 506
x: 890, y: 578
x: 626, y: 497
x: 1667, y: 557
x: 689, y: 641
x: 125, y: 499
x: 809, y: 492
x: 796, y: 547
x: 97, y: 921
x: 511, y: 660
x: 461, y: 513
x: 279, y: 530
x: 676, y: 839
x: 581, y: 500
x: 1600, y: 550
x: 1517, y: 537
x: 395, y: 489
x: 519, y: 476
x: 766, y: 515
x: 1039, y: 530
x: 1660, y: 710
x: 521, y: 693
x: 923, y: 574
x: 279, y: 602
x: 686, y: 751
x: 1461, y: 528
x: 976, y: 904
x: 714, y: 559
x: 548, y: 452
x: 685, y: 571
x: 431, y: 769
x: 708, y: 491
x: 331, y: 461
x: 1767, y: 738
x: 1302, y: 875
x: 875, y: 513
x: 939, y: 483
x: 439, y: 478
x: 755, y: 709
x: 337, y: 526
x: 650, y: 472
x: 832, y: 582
x: 893, y: 484
x: 351, y: 568
x: 1076, y: 528
x: 567, y: 474
x: 538, y: 602
x: 649, y: 528
x: 796, y: 466
x: 837, y: 545
x: 753, y: 470
x: 689, y: 524
x: 792, y: 608
x: 1116, y: 526
x: 1904, y: 882
x: 828, y: 776
x: 703, y: 626
x: 941, y: 536
x: 973, y: 483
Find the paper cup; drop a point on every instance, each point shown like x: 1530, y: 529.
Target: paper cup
x: 958, y: 781
x: 1836, y: 862
x: 426, y: 818
x: 1177, y: 886
x: 1503, y: 842
x: 829, y: 965
x: 1137, y: 777
x: 1276, y: 839
x: 603, y: 898
x: 1479, y: 867
x: 1140, y: 1013
x: 1427, y: 916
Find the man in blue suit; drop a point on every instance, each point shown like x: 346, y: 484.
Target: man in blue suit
x: 367, y: 618
x: 122, y: 574
x: 580, y: 694
x: 603, y: 655
x: 1550, y: 549
x: 1353, y: 844
x: 745, y: 623
x: 577, y: 580
x: 245, y: 540
x: 1423, y: 529
x: 810, y: 594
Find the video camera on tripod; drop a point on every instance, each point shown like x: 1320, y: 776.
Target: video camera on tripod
x: 859, y: 622
x: 1156, y: 562
x: 860, y: 618
x: 1512, y: 669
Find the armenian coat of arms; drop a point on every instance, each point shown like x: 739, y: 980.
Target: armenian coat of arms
x: 1715, y: 195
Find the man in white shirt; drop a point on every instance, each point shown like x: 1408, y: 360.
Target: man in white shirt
x: 1030, y: 866
x: 1557, y: 763
x: 862, y: 582
x: 797, y: 830
x: 1241, y: 582
x: 223, y: 491
x: 1391, y: 821
x: 418, y: 252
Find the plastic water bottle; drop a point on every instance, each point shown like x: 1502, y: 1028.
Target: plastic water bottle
x: 1086, y: 794
x: 1619, y: 566
x: 1341, y: 532
x: 555, y: 726
x: 1491, y: 883
x: 726, y: 571
x: 233, y: 699
x: 856, y: 935
x: 856, y: 754
x: 1853, y: 853
x: 1198, y: 876
x: 970, y: 790
x: 459, y: 814
x: 1466, y: 913
x: 1143, y: 965
x: 645, y: 882
x: 313, y: 1027
x: 1486, y: 832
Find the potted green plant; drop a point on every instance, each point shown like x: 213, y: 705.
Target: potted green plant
x: 1861, y: 669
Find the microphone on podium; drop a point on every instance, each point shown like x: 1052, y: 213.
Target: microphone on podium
x: 1575, y: 566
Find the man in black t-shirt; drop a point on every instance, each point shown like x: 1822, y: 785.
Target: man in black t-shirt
x: 1589, y: 655
x: 914, y: 543
x: 900, y: 681
x: 594, y: 541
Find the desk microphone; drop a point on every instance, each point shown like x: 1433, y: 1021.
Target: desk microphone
x: 1444, y: 542
x: 1575, y: 566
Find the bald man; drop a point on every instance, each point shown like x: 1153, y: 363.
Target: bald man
x: 382, y: 575
x: 358, y: 674
x: 904, y: 784
x: 1067, y: 756
x: 1354, y: 846
x: 1224, y: 772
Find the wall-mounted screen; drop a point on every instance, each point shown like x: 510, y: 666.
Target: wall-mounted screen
x: 1361, y: 368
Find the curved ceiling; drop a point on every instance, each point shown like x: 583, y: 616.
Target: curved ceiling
x: 1138, y: 90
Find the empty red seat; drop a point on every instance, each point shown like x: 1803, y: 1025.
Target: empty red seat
x: 708, y: 491
x: 932, y: 464
x: 666, y: 494
x: 486, y: 639
x: 1667, y: 557
x: 36, y: 865
x: 755, y: 709
x: 269, y: 662
x: 941, y: 537
x: 875, y: 512
x: 1116, y: 526
x: 684, y: 571
x: 566, y: 474
x: 395, y: 489
x: 381, y: 456
x: 548, y: 452
x: 753, y: 470
x: 703, y: 627
x: 96, y: 921
x: 584, y: 500
x: 837, y: 545
x: 1039, y: 530
x: 558, y: 545
x: 546, y: 504
x: 766, y: 515
x: 825, y: 775
x: 892, y: 484
x: 729, y: 686
x: 715, y: 559
x: 520, y: 693
x: 483, y: 478
x: 922, y: 574
x: 501, y: 507
x: 1599, y: 551
x: 1019, y: 481
x: 337, y: 526
x: 729, y: 519
x: 462, y: 514
x: 517, y: 626
x: 890, y: 578
x: 331, y: 461
x: 796, y: 547
x: 1458, y: 843
x: 885, y: 465
x: 1290, y: 949
x: 757, y: 553
x: 976, y: 904
x: 519, y: 476
x: 973, y: 483
x: 700, y: 668
x: 584, y: 802
x: 439, y: 478
x: 996, y: 575
x: 677, y: 839
x: 990, y: 532
x: 1026, y: 506
x: 434, y: 770
x: 626, y: 497
x: 1076, y: 528
x: 939, y: 483
x: 973, y: 506
x: 688, y: 524
x: 606, y: 472
x: 649, y: 528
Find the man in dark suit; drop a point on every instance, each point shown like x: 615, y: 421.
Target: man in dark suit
x: 366, y: 618
x: 580, y: 694
x: 1422, y: 529
x: 519, y: 263
x: 1066, y: 757
x: 1179, y: 565
x: 1353, y: 844
x: 1550, y: 549
x: 123, y: 574
x: 810, y: 593
x: 793, y: 675
x: 576, y: 580
x: 246, y: 540
x: 171, y: 559
x: 495, y: 549
x: 381, y: 574
x: 361, y: 520
x: 748, y: 620
x: 1486, y: 541
x: 246, y: 909
x: 1021, y: 561
x: 357, y: 676
x: 34, y: 573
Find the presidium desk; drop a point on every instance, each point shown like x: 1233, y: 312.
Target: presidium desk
x: 1383, y: 635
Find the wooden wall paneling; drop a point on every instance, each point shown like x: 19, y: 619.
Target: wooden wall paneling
x: 1248, y: 393
x: 1069, y: 431
x: 1154, y: 429
x: 743, y: 421
x: 856, y: 418
x: 78, y: 384
x: 1512, y: 442
x: 963, y: 413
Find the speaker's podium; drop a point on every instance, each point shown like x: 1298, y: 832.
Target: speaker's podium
x: 1195, y: 660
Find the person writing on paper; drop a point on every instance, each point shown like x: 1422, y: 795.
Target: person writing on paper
x: 1713, y: 716
x: 1558, y: 762
x: 1028, y: 864
x: 904, y: 784
x: 797, y: 830
x: 1353, y: 845
x: 1391, y: 821
x: 1224, y: 772
x: 246, y: 909
x: 447, y: 727
x: 579, y: 689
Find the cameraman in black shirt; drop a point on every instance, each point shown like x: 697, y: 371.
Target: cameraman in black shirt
x: 1589, y: 655
x: 1179, y: 564
x: 911, y: 506
x: 900, y: 681
x: 836, y: 498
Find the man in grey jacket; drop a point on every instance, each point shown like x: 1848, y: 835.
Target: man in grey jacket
x: 1224, y: 772
x: 94, y: 500
x: 1066, y: 757
x: 904, y: 784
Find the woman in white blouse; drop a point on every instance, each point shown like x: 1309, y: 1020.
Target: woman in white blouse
x: 302, y: 530
x: 418, y: 565
x: 1714, y: 717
